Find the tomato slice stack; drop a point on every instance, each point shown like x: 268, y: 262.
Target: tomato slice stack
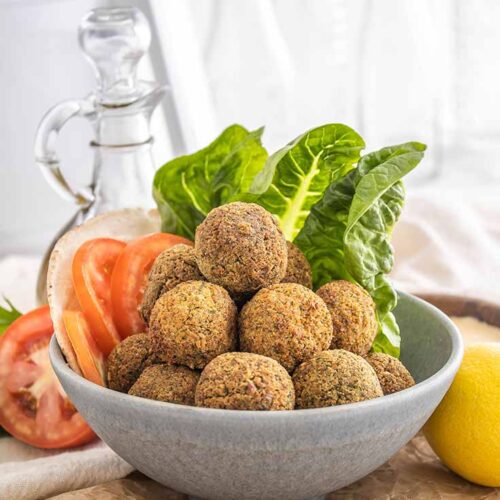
x: 92, y: 267
x: 109, y: 277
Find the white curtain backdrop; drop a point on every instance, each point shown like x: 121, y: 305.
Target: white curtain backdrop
x: 395, y: 70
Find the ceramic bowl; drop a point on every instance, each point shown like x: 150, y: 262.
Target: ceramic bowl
x: 224, y: 454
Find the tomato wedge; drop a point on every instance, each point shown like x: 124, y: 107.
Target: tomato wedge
x: 90, y: 359
x: 33, y: 405
x: 129, y: 278
x: 92, y: 266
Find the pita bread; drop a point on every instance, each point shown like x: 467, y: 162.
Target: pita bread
x: 125, y: 225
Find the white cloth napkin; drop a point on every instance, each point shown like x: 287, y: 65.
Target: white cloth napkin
x: 447, y: 241
x: 28, y: 473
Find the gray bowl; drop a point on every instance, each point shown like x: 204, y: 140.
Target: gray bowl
x: 224, y: 454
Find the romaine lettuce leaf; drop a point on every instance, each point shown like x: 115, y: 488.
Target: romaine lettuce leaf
x: 237, y: 172
x: 296, y: 177
x: 340, y: 216
x: 347, y: 234
x: 188, y: 187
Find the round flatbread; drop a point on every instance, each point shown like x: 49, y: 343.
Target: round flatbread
x: 125, y: 225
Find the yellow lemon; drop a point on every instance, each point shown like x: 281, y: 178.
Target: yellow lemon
x: 464, y: 431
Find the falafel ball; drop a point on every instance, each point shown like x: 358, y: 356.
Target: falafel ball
x: 335, y: 377
x: 193, y: 323
x: 298, y: 269
x: 391, y: 373
x: 128, y: 359
x: 245, y: 381
x: 173, y: 266
x: 286, y: 322
x: 173, y: 384
x: 239, y: 246
x: 353, y: 315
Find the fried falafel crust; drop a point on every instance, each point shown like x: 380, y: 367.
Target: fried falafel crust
x: 193, y: 323
x: 286, y: 322
x: 245, y: 381
x: 174, y: 265
x: 239, y: 246
x: 169, y: 383
x: 298, y: 269
x: 354, y: 319
x: 128, y: 360
x: 334, y: 377
x: 392, y: 374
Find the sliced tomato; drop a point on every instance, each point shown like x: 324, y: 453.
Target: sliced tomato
x: 92, y: 267
x: 129, y: 278
x: 90, y: 359
x: 33, y: 406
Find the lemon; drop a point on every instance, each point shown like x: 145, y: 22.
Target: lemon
x: 464, y: 431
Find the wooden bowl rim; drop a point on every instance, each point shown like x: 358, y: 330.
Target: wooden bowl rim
x: 461, y: 305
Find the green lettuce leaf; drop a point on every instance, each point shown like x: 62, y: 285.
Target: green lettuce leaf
x: 339, y: 215
x: 236, y: 174
x: 296, y: 177
x: 8, y: 315
x: 188, y: 187
x: 347, y: 234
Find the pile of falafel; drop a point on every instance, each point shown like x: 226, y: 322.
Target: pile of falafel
x: 234, y: 324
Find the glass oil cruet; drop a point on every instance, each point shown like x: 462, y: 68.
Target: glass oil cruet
x: 119, y: 110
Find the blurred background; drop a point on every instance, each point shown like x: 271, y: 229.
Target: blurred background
x: 395, y: 70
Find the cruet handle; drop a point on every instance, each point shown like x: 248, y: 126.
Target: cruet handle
x: 45, y: 149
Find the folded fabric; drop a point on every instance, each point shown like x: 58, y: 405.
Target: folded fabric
x: 448, y: 241
x: 30, y: 473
